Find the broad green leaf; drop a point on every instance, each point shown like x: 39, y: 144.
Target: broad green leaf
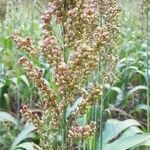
x: 131, y: 131
x: 129, y: 68
x: 28, y: 146
x: 139, y: 87
x: 119, y: 97
x: 4, y: 116
x: 3, y: 141
x: 147, y: 143
x: 81, y: 120
x: 14, y: 80
x: 114, y: 127
x: 129, y: 142
x: 114, y: 88
x: 142, y: 107
x: 24, y: 78
x: 25, y: 133
x: 123, y: 60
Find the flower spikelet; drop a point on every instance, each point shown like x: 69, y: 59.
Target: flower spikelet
x: 82, y: 132
x: 90, y: 99
x: 35, y: 75
x: 25, y: 44
x: 31, y: 116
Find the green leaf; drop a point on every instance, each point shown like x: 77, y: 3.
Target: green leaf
x: 25, y: 133
x: 28, y: 146
x: 4, y: 116
x: 81, y: 120
x: 125, y: 135
x: 142, y: 107
x: 3, y: 142
x: 14, y: 80
x: 139, y: 87
x: 147, y: 143
x: 8, y: 43
x: 24, y: 78
x: 114, y: 127
x: 131, y: 131
x: 114, y: 88
x: 129, y: 68
x: 129, y: 142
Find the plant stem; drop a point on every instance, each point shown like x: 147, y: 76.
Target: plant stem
x: 18, y: 101
x: 101, y: 124
x: 79, y: 144
x: 64, y: 129
x: 147, y: 71
x: 32, y: 17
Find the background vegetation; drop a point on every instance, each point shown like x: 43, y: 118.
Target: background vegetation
x: 124, y: 115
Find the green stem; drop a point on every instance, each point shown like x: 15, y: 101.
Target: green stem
x: 32, y: 18
x: 79, y: 144
x: 101, y: 124
x: 18, y: 102
x: 147, y: 72
x: 64, y: 131
x: 102, y: 100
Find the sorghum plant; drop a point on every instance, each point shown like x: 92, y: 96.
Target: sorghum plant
x: 145, y: 17
x: 89, y: 29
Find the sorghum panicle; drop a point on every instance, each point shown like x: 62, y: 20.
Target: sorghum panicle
x: 89, y: 30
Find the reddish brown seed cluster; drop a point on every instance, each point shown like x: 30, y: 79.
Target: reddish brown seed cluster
x: 35, y: 75
x: 23, y: 43
x: 54, y: 8
x: 90, y: 99
x: 63, y: 78
x: 50, y: 48
x: 79, y: 132
x: 30, y: 116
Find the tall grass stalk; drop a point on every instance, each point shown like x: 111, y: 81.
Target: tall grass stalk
x: 32, y: 17
x: 147, y: 72
x: 18, y: 101
x: 64, y: 130
x: 101, y: 124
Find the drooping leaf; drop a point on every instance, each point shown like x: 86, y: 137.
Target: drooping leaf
x: 4, y: 116
x: 129, y: 142
x: 28, y: 146
x: 14, y: 80
x: 24, y: 134
x: 124, y: 135
x: 142, y: 107
x: 131, y: 131
x: 139, y: 87
x: 24, y: 78
x: 114, y: 127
